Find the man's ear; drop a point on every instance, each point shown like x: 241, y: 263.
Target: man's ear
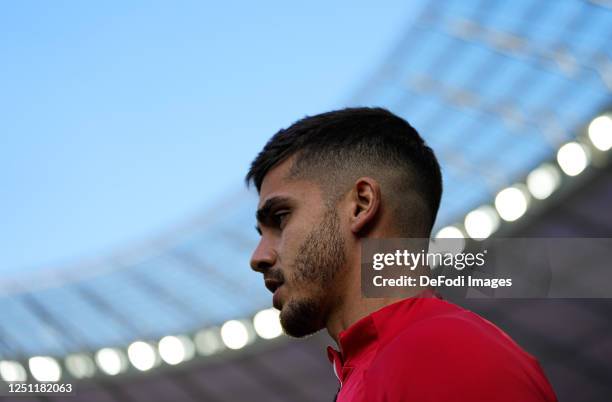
x: 365, y: 204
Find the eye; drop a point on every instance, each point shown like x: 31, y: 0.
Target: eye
x: 280, y: 218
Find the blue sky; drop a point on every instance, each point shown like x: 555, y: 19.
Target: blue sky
x: 118, y: 119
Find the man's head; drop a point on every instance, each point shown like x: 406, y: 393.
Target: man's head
x: 326, y: 182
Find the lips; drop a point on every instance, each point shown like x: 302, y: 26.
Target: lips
x: 276, y: 300
x: 272, y: 284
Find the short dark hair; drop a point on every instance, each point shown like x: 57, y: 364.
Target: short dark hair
x: 336, y: 147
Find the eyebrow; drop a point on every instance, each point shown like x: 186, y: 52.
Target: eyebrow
x: 264, y: 213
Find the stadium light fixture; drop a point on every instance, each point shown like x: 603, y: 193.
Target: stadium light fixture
x: 573, y: 158
x: 481, y: 222
x: 12, y: 371
x: 600, y: 132
x: 511, y: 203
x: 208, y: 341
x: 142, y: 355
x: 45, y: 369
x: 543, y: 181
x: 176, y: 349
x: 450, y: 232
x: 234, y: 334
x: 111, y: 361
x: 80, y: 365
x: 267, y: 323
x: 455, y: 242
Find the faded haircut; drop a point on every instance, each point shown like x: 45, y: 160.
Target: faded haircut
x: 335, y: 148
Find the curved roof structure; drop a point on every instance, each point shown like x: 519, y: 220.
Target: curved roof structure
x: 496, y: 87
x: 195, y: 276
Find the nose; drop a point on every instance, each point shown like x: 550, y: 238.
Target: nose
x: 263, y: 257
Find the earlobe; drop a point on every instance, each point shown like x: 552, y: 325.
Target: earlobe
x: 366, y: 204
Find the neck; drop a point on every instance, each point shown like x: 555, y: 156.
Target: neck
x: 351, y: 306
x: 344, y: 317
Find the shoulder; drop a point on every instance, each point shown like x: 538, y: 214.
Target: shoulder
x: 458, y: 353
x: 457, y: 339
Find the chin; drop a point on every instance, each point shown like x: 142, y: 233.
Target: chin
x: 301, y: 318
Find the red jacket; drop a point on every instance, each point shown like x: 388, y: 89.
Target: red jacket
x: 426, y: 349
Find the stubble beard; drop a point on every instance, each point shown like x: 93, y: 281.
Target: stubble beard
x: 319, y: 259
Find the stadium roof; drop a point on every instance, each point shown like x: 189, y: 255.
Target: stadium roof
x: 495, y: 88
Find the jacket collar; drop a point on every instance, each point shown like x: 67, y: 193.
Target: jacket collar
x: 360, y: 342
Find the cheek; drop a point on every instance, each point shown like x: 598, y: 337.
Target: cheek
x: 288, y: 253
x: 298, y: 252
x: 291, y: 239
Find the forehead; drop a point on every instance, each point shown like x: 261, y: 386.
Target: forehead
x: 277, y: 183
